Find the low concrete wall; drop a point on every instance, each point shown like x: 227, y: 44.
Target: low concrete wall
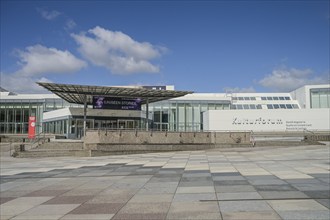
x: 143, y: 141
x: 318, y: 137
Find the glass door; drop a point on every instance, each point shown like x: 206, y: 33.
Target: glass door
x: 129, y: 124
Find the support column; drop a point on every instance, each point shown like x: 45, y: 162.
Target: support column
x: 147, y: 115
x: 85, y: 113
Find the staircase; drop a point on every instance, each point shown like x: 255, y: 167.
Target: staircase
x: 56, y: 148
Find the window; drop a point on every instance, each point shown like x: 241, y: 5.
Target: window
x: 253, y: 98
x: 287, y: 98
x: 295, y: 106
x: 275, y: 98
x: 234, y: 98
x: 233, y: 106
x: 2, y: 115
x: 269, y: 98
x: 263, y: 98
x: 289, y: 106
x: 276, y: 106
x: 252, y: 107
x: 282, y: 105
x: 324, y: 99
x: 270, y: 106
x: 239, y: 107
x: 246, y: 98
x: 259, y: 107
x: 281, y: 98
x: 246, y: 106
x: 240, y: 98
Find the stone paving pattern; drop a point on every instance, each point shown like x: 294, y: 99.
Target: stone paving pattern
x: 254, y: 183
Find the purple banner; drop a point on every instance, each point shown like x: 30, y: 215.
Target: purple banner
x: 101, y: 102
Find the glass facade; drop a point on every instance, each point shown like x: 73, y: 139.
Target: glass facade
x: 171, y: 115
x: 320, y: 98
x: 182, y: 115
x: 14, y: 117
x: 14, y: 113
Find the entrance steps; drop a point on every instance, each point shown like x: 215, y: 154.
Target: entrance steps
x: 58, y: 148
x: 61, y: 145
x: 53, y: 153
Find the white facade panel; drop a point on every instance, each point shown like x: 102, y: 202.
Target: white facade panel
x: 267, y: 120
x: 59, y: 113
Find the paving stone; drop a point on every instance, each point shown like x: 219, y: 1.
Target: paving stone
x: 68, y: 200
x: 30, y: 201
x: 142, y: 208
x: 139, y: 216
x: 238, y: 196
x: 324, y: 202
x: 244, y: 206
x: 267, y: 182
x: 320, y: 175
x: 82, y: 192
x: 304, y: 215
x: 237, y: 188
x: 99, y: 208
x: 227, y: 174
x: 231, y: 182
x: 153, y: 198
x: 87, y: 217
x: 197, y: 183
x: 172, y: 185
x: 201, y: 215
x: 258, y: 215
x: 222, y: 178
x: 311, y: 187
x: 296, y: 205
x: 195, y: 189
x: 193, y: 197
x: 282, y: 194
x: 44, y: 210
x: 191, y: 207
x: 274, y: 188
x: 46, y: 193
x: 13, y: 210
x: 317, y: 194
x: 6, y: 199
x: 37, y: 217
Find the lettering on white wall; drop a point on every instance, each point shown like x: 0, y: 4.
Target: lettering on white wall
x: 297, y: 125
x: 257, y: 121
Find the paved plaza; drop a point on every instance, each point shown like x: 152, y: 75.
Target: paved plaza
x: 251, y: 183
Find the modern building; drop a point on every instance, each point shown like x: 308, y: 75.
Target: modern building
x: 55, y: 115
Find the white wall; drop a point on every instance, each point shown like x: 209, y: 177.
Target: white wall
x: 302, y: 96
x: 267, y: 120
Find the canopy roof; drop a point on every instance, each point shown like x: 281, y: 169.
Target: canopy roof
x: 77, y: 93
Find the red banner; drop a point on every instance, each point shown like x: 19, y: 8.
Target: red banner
x: 32, y: 127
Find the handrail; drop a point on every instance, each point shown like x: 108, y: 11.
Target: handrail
x: 305, y: 129
x: 37, y: 139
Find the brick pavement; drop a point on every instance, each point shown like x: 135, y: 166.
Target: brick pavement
x: 254, y: 183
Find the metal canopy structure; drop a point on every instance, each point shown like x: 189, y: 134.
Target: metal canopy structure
x: 80, y: 94
x: 83, y: 94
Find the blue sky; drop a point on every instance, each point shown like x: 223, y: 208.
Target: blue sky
x: 201, y: 46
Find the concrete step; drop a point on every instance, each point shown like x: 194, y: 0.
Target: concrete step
x: 284, y: 143
x: 61, y: 146
x: 53, y: 153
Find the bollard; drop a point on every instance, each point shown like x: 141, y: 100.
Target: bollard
x: 22, y: 147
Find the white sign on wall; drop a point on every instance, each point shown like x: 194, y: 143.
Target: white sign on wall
x: 267, y: 120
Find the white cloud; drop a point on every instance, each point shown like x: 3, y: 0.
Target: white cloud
x: 117, y: 51
x: 70, y: 24
x: 48, y: 15
x: 286, y: 80
x: 37, y: 60
x: 22, y: 84
x: 239, y: 90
